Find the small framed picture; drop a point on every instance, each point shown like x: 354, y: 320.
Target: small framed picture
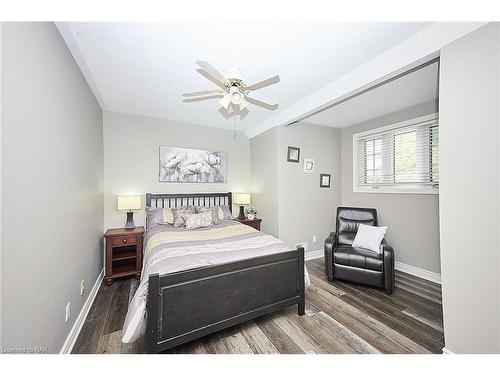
x: 309, y: 165
x: 324, y: 180
x: 293, y: 154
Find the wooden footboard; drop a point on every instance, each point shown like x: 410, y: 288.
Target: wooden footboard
x: 186, y: 305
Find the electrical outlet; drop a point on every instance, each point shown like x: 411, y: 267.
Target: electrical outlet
x: 314, y: 239
x: 68, y: 311
x: 82, y: 287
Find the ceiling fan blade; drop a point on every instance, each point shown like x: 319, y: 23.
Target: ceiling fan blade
x: 200, y: 93
x: 262, y: 79
x: 212, y: 71
x: 200, y: 98
x: 262, y: 101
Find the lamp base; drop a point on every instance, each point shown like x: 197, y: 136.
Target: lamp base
x: 130, y: 220
x: 242, y: 213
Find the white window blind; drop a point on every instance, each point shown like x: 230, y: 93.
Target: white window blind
x: 403, y: 155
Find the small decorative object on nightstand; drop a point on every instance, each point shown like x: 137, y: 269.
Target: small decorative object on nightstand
x: 241, y: 199
x: 123, y: 253
x: 254, y: 223
x: 251, y: 212
x: 129, y: 203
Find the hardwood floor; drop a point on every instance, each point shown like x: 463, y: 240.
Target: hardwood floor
x: 340, y: 318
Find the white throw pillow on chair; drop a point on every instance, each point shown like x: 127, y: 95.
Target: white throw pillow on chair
x: 369, y: 237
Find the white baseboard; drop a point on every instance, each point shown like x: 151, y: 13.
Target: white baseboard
x: 446, y: 351
x: 80, y: 320
x: 313, y: 254
x: 419, y: 272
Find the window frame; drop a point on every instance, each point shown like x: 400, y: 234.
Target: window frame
x: 397, y: 188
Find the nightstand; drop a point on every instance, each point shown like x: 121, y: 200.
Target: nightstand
x: 254, y: 223
x: 123, y: 253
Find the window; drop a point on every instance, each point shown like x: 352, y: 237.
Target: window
x: 373, y: 160
x: 434, y: 150
x: 402, y: 157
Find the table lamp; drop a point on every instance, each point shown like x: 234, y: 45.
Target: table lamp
x: 129, y: 203
x: 241, y: 199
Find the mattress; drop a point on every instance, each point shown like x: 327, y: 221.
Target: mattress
x: 168, y: 249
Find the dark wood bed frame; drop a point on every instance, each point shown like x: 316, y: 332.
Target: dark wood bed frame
x: 187, y: 305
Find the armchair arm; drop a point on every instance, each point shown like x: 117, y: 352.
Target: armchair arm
x: 388, y: 256
x: 331, y: 239
x: 330, y: 243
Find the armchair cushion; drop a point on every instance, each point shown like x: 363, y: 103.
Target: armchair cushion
x: 357, y: 257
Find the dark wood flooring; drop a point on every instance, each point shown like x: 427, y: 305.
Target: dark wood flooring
x: 340, y: 318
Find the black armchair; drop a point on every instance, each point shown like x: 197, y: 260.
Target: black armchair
x: 344, y: 262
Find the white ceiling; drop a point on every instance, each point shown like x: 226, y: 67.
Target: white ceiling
x: 416, y: 88
x: 144, y: 68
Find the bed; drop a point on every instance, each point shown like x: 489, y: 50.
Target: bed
x: 197, y: 282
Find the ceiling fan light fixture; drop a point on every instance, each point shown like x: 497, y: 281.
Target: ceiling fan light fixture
x: 236, y: 95
x: 234, y: 89
x: 236, y: 98
x: 243, y: 104
x: 225, y: 102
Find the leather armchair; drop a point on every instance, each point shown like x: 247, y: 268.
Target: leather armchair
x: 344, y: 262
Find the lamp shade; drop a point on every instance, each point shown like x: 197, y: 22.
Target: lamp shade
x: 241, y: 198
x: 129, y: 202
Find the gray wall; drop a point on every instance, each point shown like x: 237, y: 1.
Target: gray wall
x: 52, y: 186
x: 264, y: 179
x: 305, y: 209
x: 291, y: 203
x: 131, y: 164
x: 470, y: 189
x: 412, y: 219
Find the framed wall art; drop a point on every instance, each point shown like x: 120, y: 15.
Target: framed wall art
x: 178, y: 164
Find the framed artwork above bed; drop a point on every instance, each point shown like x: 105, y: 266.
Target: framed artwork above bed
x: 179, y: 164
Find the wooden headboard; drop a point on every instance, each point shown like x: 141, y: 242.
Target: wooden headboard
x: 191, y: 199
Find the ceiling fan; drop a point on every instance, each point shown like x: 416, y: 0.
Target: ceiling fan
x: 234, y: 91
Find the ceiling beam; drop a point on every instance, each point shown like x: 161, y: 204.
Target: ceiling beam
x: 412, y: 52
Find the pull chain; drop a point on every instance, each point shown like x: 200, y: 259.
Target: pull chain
x: 235, y: 135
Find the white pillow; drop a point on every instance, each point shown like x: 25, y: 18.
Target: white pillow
x: 369, y: 237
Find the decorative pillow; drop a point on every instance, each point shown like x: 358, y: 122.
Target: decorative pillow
x: 202, y: 220
x: 158, y: 216
x: 168, y: 216
x: 154, y: 217
x: 214, y: 210
x: 226, y: 213
x: 220, y: 213
x: 369, y: 237
x: 180, y: 214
